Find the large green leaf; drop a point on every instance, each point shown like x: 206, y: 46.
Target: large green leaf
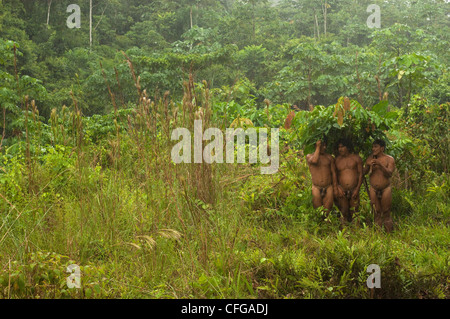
x: 381, y: 108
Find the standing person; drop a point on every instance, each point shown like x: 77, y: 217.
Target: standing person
x: 323, y: 175
x: 380, y: 167
x: 349, y: 169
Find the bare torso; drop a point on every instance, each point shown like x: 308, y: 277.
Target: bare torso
x: 321, y: 172
x: 378, y: 180
x: 347, y: 171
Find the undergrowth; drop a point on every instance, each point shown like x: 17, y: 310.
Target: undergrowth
x: 102, y: 193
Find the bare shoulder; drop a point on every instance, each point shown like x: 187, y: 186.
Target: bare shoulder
x: 389, y: 158
x: 357, y: 157
x: 308, y: 158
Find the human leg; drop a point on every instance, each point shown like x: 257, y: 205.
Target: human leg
x: 353, y: 207
x: 386, y: 203
x: 344, y: 209
x: 375, y: 202
x: 316, y: 197
x: 328, y: 200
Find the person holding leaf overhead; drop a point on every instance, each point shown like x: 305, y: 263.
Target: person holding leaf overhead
x: 323, y: 175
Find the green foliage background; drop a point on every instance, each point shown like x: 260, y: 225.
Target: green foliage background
x: 85, y: 169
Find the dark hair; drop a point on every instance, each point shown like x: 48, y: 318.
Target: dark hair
x: 346, y: 142
x: 380, y: 142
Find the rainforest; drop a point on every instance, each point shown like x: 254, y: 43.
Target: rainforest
x: 97, y: 203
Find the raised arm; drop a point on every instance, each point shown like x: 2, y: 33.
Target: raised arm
x: 313, y: 158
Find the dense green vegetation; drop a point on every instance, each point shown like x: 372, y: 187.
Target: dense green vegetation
x: 86, y: 175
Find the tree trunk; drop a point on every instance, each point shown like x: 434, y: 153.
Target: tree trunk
x: 48, y: 10
x: 309, y: 86
x: 317, y: 27
x: 325, y: 11
x: 314, y: 29
x: 360, y: 95
x: 408, y: 96
x: 90, y: 24
x: 253, y: 20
